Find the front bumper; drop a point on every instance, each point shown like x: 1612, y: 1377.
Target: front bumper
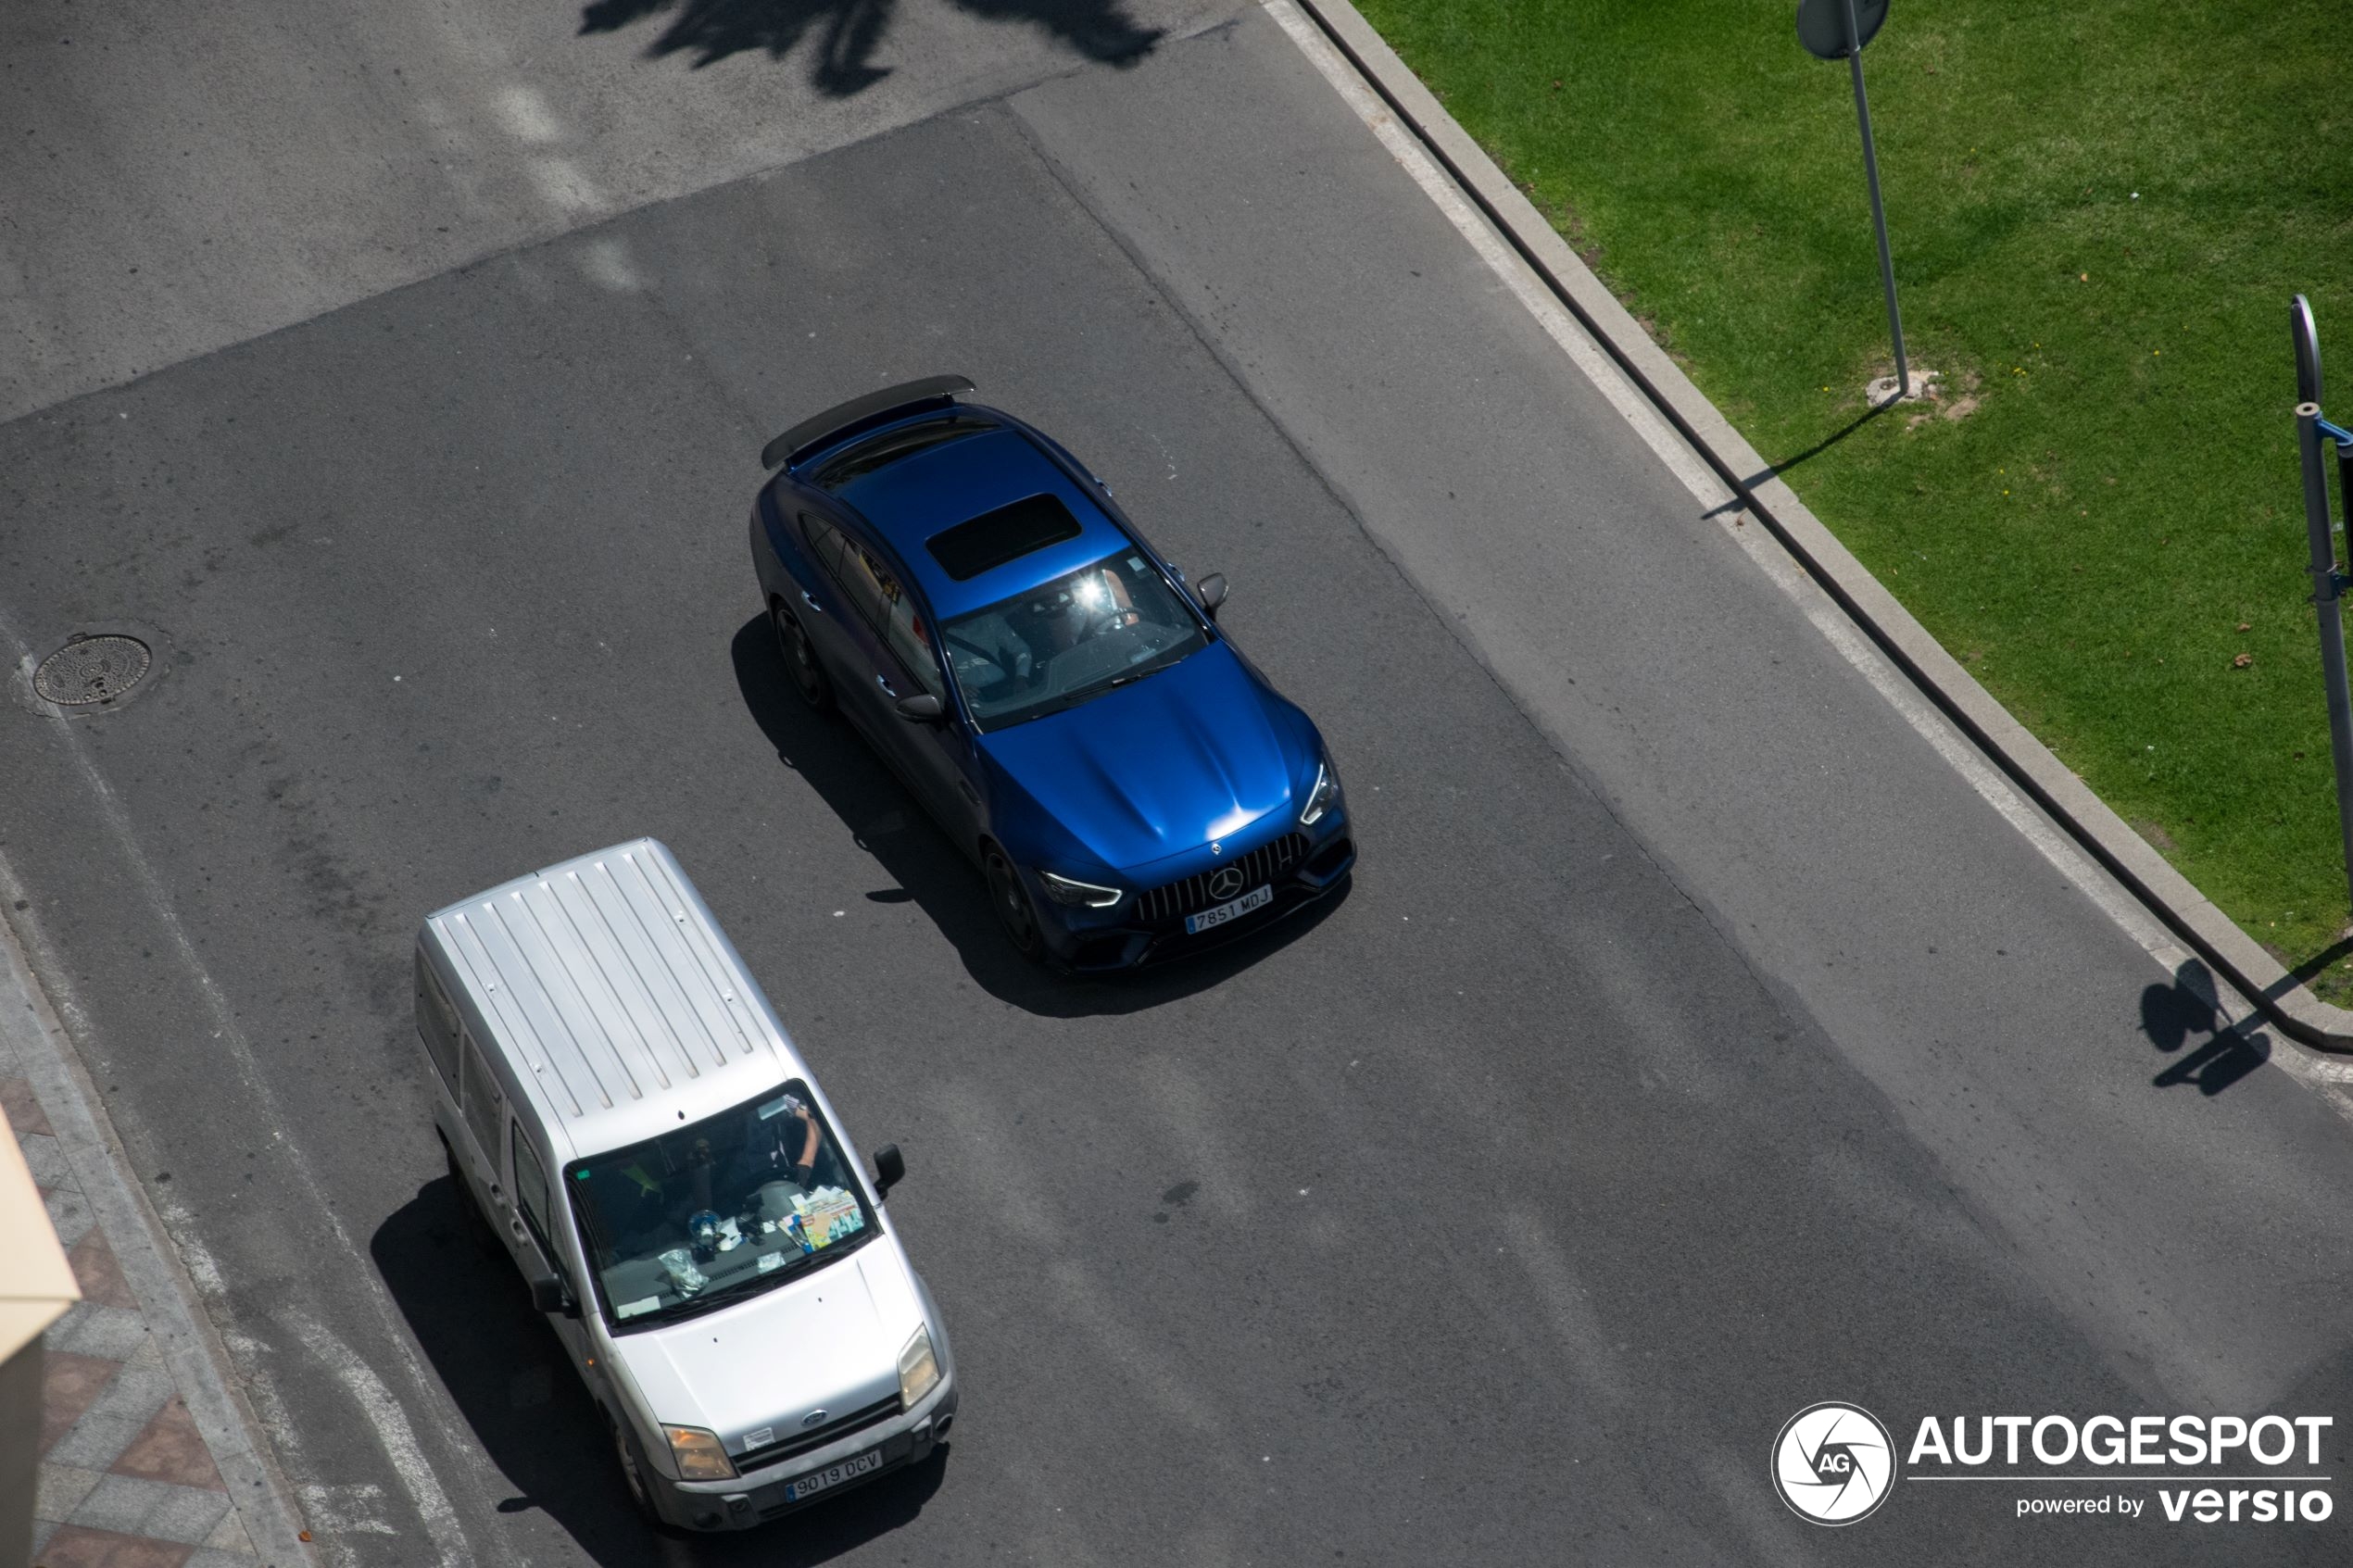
x: 761, y: 1495
x: 1089, y: 942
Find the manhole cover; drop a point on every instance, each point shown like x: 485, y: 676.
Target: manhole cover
x: 89, y: 670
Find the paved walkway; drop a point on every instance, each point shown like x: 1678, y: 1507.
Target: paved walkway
x: 146, y: 1459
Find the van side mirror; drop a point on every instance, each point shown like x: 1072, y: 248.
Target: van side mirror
x: 920, y: 708
x: 548, y: 1294
x: 1211, y: 590
x: 891, y: 1169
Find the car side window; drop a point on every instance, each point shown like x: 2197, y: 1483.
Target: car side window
x: 869, y: 583
x: 825, y: 543
x: 531, y: 1191
x: 910, y: 638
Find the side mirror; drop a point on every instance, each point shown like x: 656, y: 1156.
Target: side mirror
x: 891, y: 1169
x: 1212, y: 592
x: 548, y: 1294
x: 920, y: 708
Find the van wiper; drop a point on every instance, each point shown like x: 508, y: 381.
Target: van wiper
x: 718, y: 1296
x: 743, y: 1284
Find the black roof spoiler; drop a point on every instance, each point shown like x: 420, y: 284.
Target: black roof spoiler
x: 874, y: 409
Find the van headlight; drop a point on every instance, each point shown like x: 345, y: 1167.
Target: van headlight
x: 1324, y: 797
x: 918, y: 1369
x: 1084, y: 895
x: 700, y: 1454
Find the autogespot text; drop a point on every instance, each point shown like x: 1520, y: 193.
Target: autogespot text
x: 2273, y: 1462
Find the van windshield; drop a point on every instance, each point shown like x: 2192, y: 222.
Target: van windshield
x: 717, y: 1211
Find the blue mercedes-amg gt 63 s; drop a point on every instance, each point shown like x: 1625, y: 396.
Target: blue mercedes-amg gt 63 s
x: 1054, y: 693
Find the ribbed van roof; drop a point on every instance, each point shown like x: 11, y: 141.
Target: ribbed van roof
x: 607, y: 984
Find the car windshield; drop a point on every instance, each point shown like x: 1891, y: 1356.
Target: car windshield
x: 1068, y: 640
x: 718, y: 1211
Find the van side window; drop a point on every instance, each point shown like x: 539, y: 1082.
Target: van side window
x: 531, y: 1192
x: 436, y: 1021
x: 481, y: 1102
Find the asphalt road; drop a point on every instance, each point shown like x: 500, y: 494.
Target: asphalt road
x: 1694, y: 1044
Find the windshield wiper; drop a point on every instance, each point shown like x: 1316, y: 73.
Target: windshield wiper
x: 741, y: 1285
x: 1088, y: 694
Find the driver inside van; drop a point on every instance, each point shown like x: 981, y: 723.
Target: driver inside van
x: 784, y: 1141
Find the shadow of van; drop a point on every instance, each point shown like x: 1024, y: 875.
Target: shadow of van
x: 510, y: 1377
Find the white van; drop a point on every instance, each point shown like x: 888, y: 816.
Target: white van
x: 623, y: 1109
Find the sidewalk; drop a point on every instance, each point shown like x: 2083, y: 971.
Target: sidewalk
x: 148, y: 1460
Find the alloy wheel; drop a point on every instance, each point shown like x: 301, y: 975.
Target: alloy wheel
x: 801, y: 661
x: 1014, y: 913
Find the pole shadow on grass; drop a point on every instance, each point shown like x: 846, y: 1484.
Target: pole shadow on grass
x: 1740, y: 492
x: 847, y: 33
x: 930, y: 871
x: 464, y: 1300
x: 2172, y: 1015
x: 2312, y: 968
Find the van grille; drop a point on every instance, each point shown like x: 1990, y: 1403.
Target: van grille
x: 802, y: 1442
x: 1191, y: 895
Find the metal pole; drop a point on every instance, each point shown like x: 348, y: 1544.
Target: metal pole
x: 1879, y: 214
x: 2324, y: 600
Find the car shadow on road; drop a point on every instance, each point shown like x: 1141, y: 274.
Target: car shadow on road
x: 928, y: 870
x: 2171, y: 1015
x: 509, y: 1377
x: 849, y: 32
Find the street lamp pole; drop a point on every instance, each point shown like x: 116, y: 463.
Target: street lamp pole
x: 1878, y: 213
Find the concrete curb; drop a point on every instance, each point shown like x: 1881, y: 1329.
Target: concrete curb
x: 2213, y: 936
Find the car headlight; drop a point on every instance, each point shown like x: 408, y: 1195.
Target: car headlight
x: 1067, y: 890
x: 918, y: 1369
x: 1323, y: 797
x: 700, y: 1454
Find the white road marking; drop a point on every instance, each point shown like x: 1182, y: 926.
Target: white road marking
x: 390, y: 1423
x: 194, y: 1255
x: 2329, y: 1076
x: 348, y: 1511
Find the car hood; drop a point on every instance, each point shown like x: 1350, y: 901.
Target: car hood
x: 1195, y: 752
x: 828, y: 1342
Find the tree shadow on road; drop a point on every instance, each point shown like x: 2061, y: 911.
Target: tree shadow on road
x: 934, y: 874
x: 848, y: 32
x: 510, y: 1377
x: 2171, y: 1015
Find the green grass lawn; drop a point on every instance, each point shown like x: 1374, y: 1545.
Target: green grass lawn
x: 2098, y: 215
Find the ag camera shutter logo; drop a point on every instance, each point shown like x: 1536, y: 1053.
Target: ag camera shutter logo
x: 1833, y: 1463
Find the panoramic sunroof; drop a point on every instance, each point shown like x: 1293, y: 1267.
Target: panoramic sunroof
x: 1008, y: 534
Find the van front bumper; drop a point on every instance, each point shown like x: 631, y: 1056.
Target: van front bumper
x: 766, y: 1493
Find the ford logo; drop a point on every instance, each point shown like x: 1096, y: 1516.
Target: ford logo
x: 814, y: 1418
x: 1225, y: 882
